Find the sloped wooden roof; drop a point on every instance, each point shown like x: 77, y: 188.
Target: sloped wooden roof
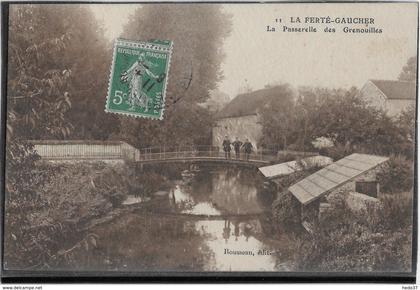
x: 249, y: 103
x: 333, y: 176
x: 286, y: 168
x: 396, y: 89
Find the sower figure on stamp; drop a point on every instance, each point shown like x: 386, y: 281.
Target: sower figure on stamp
x: 247, y: 148
x: 226, y: 147
x: 237, y: 146
x: 134, y: 77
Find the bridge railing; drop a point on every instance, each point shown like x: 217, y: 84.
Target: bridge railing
x: 191, y: 152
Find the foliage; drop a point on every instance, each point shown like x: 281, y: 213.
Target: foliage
x: 343, y: 117
x: 337, y: 152
x: 195, y: 71
x: 150, y: 182
x: 285, y: 212
x: 38, y: 87
x: 348, y: 242
x: 44, y: 82
x: 398, y: 210
x: 56, y: 206
x: 409, y: 71
x: 56, y: 73
x: 89, y: 56
x: 406, y: 123
x: 277, y: 117
x: 38, y: 99
x: 397, y: 175
x: 20, y: 201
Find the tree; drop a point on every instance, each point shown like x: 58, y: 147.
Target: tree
x: 406, y: 124
x: 58, y: 73
x: 197, y: 32
x: 38, y: 86
x: 409, y: 71
x: 343, y: 117
x: 217, y: 101
x: 278, y: 117
x: 38, y: 98
x: 89, y: 57
x: 45, y: 72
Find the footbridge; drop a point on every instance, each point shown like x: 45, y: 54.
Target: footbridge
x: 201, y: 153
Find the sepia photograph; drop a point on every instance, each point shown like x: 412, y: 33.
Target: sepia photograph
x: 249, y: 139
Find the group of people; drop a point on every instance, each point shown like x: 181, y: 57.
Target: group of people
x: 237, y: 146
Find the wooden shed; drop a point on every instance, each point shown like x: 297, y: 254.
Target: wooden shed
x: 354, y: 173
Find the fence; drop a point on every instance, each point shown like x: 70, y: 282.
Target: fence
x: 84, y: 150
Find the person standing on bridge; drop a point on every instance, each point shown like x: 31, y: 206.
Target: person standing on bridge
x: 247, y: 148
x: 226, y: 147
x: 237, y: 146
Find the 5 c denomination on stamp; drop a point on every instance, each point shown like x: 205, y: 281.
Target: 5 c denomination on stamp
x: 138, y: 79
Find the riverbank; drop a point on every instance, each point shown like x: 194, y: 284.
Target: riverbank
x: 68, y: 199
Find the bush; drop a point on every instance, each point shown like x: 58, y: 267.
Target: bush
x: 337, y: 152
x: 397, y: 210
x: 285, y: 212
x: 347, y: 242
x: 397, y: 175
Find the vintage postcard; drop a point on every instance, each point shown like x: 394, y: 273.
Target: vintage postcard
x: 248, y: 140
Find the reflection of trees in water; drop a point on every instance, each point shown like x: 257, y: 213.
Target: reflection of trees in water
x: 149, y: 243
x: 233, y: 193
x: 265, y: 197
x: 229, y: 190
x: 171, y: 171
x: 202, y: 187
x: 180, y: 205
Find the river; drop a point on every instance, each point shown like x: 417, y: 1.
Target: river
x: 211, y: 219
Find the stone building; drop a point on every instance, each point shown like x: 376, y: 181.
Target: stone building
x: 241, y: 117
x: 354, y: 173
x: 390, y: 96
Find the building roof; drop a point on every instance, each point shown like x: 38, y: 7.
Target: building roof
x: 398, y: 90
x: 282, y: 169
x: 333, y: 176
x: 249, y: 103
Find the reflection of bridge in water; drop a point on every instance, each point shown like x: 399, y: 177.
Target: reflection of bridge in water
x: 88, y: 150
x: 189, y: 216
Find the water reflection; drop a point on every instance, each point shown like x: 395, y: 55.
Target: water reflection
x: 174, y: 236
x: 228, y: 191
x: 225, y: 237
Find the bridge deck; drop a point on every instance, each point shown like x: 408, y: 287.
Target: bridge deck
x: 145, y: 157
x: 204, y: 159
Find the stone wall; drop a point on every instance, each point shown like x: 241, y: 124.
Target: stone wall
x: 350, y: 186
x: 373, y: 96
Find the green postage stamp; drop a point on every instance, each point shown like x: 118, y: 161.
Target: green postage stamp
x: 139, y: 75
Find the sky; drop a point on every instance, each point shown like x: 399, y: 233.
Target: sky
x: 255, y: 57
